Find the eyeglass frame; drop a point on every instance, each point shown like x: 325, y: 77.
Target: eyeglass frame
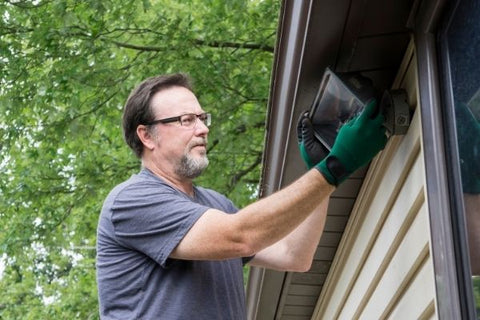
x: 207, y: 121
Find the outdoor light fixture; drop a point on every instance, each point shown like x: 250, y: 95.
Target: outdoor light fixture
x: 342, y: 96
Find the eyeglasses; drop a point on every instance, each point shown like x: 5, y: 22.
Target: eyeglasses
x: 188, y: 120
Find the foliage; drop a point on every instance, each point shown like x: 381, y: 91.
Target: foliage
x: 476, y: 293
x: 66, y: 69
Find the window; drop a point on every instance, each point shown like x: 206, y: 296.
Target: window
x: 460, y: 46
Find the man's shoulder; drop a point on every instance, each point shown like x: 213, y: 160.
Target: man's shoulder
x: 210, y: 193
x: 139, y: 186
x: 214, y: 199
x: 140, y: 181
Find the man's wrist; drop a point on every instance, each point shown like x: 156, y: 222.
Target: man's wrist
x: 332, y: 170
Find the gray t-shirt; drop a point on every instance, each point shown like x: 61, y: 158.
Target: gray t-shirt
x: 142, y: 221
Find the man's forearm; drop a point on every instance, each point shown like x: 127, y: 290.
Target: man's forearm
x: 274, y: 217
x: 295, y: 252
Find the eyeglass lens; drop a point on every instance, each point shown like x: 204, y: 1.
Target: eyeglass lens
x: 189, y: 120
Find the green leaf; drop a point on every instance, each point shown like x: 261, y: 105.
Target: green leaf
x: 66, y: 70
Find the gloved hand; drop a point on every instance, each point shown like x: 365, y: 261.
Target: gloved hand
x: 357, y: 142
x: 311, y: 150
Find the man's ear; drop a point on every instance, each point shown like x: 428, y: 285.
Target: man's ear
x: 145, y: 135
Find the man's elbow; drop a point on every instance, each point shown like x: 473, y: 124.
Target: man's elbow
x: 245, y: 249
x: 296, y: 262
x: 300, y: 266
x: 298, y: 259
x: 244, y: 246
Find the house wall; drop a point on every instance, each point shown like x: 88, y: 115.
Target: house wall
x: 383, y: 268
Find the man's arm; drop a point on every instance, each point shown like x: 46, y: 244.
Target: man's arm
x: 295, y: 252
x: 217, y: 235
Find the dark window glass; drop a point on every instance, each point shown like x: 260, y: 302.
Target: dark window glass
x: 463, y: 39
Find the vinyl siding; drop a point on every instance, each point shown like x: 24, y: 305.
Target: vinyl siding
x: 383, y: 267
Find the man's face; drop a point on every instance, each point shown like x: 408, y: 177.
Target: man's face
x: 181, y: 148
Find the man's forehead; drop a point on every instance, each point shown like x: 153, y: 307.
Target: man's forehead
x: 177, y: 99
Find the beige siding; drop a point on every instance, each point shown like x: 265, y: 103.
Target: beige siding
x: 383, y: 267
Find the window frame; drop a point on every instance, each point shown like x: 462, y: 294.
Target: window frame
x: 453, y: 297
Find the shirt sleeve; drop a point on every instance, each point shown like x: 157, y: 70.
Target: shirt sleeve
x: 153, y: 219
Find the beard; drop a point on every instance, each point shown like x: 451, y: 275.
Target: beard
x: 191, y: 167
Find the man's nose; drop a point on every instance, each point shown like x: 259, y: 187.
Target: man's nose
x: 201, y: 127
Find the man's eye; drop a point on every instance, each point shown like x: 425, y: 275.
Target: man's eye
x: 186, y: 120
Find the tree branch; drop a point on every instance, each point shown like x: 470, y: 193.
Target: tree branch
x: 238, y: 176
x: 212, y: 44
x: 26, y: 4
x: 200, y: 42
x: 227, y: 44
x: 134, y: 46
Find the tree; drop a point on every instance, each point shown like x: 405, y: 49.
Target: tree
x: 67, y: 67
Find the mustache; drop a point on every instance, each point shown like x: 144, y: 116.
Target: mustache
x: 199, y: 142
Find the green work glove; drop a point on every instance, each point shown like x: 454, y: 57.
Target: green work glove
x: 357, y: 142
x: 311, y: 149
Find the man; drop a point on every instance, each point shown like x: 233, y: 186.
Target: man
x: 167, y: 249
